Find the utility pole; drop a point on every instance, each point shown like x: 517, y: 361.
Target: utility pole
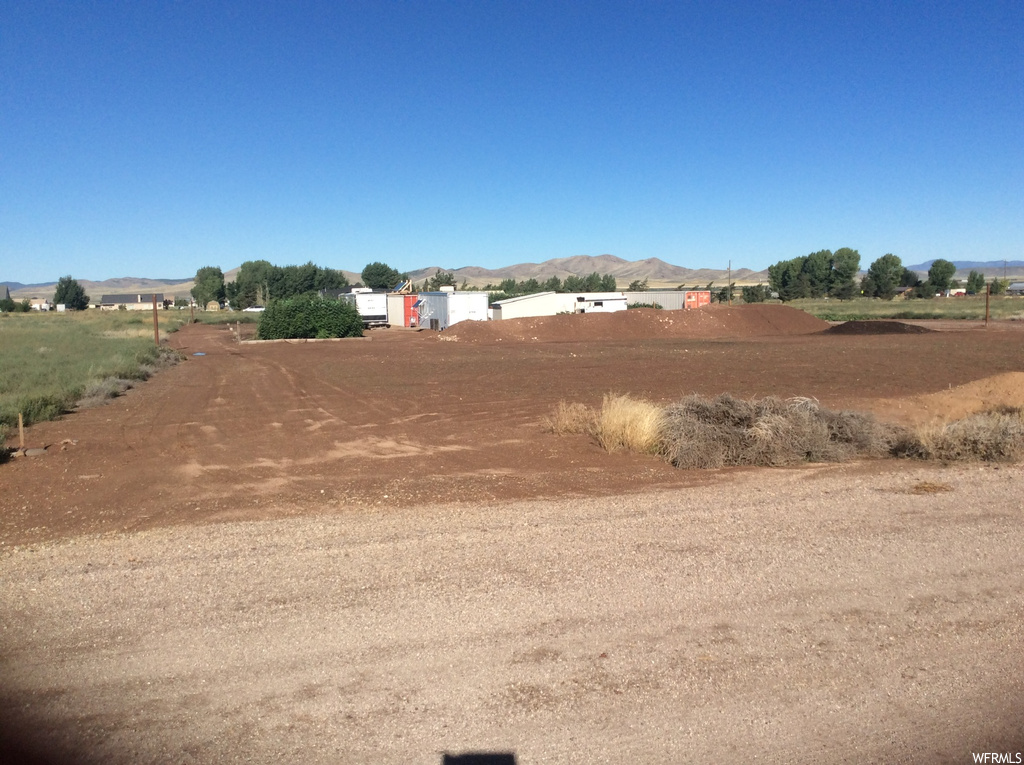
x: 156, y: 325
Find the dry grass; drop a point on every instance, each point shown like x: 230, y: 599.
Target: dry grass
x: 712, y: 433
x: 699, y: 432
x: 631, y: 424
x: 993, y: 436
x: 572, y: 419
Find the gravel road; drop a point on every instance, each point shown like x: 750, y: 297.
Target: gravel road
x: 826, y: 614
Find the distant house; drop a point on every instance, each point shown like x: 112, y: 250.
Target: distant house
x: 39, y: 304
x: 131, y: 302
x: 1017, y: 288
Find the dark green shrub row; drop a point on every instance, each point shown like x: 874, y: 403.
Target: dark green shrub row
x: 308, y: 317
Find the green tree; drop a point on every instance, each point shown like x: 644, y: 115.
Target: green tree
x: 845, y: 264
x: 999, y: 286
x: 70, y: 293
x: 756, y: 294
x: 883, y: 277
x: 909, y: 278
x: 940, y: 274
x: 379, y: 275
x: 7, y: 305
x: 209, y: 285
x: 638, y: 285
x: 975, y: 283
x: 784, y: 278
x: 440, y: 279
x: 818, y: 269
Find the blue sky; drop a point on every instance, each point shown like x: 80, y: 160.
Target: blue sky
x: 150, y: 139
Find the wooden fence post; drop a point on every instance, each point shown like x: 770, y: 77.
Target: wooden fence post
x: 156, y: 325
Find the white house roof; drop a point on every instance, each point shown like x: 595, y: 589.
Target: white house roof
x: 518, y: 298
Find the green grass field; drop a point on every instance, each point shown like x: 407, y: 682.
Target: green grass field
x: 50, y: 361
x: 970, y: 308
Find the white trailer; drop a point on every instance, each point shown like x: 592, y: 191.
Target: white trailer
x: 551, y: 303
x: 440, y: 310
x: 372, y: 306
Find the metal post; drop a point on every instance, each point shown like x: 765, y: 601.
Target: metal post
x: 21, y: 431
x: 728, y: 284
x: 988, y: 294
x: 156, y: 325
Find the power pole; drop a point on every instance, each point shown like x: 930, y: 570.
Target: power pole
x: 156, y: 325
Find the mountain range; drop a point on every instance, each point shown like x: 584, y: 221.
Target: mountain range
x: 657, y: 272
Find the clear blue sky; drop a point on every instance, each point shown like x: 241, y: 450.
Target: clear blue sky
x: 152, y: 138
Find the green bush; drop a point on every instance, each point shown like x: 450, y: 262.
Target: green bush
x: 308, y: 317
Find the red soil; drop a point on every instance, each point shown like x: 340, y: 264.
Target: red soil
x: 265, y: 430
x: 637, y: 323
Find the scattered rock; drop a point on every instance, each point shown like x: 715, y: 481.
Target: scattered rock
x: 35, y: 452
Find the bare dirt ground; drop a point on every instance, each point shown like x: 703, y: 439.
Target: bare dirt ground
x: 370, y: 551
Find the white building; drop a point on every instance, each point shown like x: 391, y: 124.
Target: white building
x: 440, y: 310
x: 551, y: 303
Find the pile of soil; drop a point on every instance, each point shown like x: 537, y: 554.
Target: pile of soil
x: 637, y: 323
x: 876, y: 327
x: 1002, y: 390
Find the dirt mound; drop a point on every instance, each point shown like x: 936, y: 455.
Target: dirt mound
x: 638, y: 323
x: 876, y: 327
x: 1004, y: 390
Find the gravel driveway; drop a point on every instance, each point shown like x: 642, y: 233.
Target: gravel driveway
x: 826, y: 614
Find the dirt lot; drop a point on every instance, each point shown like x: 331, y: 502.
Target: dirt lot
x: 370, y: 551
x: 400, y: 418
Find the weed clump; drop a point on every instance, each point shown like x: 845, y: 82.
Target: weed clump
x: 631, y: 424
x: 572, y: 419
x: 700, y: 432
x: 993, y: 436
x: 710, y: 433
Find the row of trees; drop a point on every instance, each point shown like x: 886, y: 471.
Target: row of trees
x: 826, y: 273
x: 816, y: 275
x: 259, y: 281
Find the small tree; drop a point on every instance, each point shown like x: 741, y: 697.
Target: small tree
x: 380, y: 276
x: 70, y: 293
x: 209, y: 285
x: 756, y: 294
x: 975, y: 283
x: 940, y: 274
x: 638, y: 285
x: 440, y: 279
x: 883, y: 277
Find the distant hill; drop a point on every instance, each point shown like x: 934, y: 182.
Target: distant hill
x: 977, y: 265
x: 657, y: 272
x: 123, y: 285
